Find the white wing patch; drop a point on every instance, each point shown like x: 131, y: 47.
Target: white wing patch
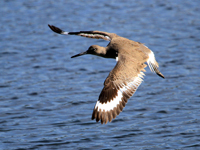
x: 110, y: 105
x: 131, y: 86
x: 89, y: 35
x: 65, y: 33
x: 95, y: 35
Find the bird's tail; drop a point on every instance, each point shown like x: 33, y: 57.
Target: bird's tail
x: 153, y: 65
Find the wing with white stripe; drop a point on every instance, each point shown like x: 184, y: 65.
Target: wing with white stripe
x: 119, y: 86
x: 89, y: 34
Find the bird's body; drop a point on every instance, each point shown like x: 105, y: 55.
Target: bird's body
x: 126, y: 76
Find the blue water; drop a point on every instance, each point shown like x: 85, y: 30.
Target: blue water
x: 47, y: 98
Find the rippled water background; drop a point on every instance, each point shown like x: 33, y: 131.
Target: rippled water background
x: 47, y: 98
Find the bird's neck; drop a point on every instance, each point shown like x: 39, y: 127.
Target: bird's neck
x: 110, y: 53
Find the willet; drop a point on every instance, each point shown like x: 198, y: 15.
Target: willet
x: 126, y: 76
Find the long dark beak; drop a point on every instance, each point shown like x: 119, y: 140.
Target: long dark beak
x: 80, y: 54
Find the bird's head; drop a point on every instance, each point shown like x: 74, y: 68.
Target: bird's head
x: 94, y: 50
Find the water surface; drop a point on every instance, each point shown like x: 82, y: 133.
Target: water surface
x: 47, y: 98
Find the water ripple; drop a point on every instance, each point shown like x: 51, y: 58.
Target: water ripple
x: 47, y: 98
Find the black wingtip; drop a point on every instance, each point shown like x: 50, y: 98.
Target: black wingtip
x: 55, y: 29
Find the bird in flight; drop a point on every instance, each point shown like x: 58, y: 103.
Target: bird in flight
x: 126, y: 76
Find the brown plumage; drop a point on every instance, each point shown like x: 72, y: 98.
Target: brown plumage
x: 126, y: 76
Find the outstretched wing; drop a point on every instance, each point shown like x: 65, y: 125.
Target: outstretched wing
x: 89, y: 34
x: 120, y: 85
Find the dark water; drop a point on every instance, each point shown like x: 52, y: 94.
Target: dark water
x: 47, y: 98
